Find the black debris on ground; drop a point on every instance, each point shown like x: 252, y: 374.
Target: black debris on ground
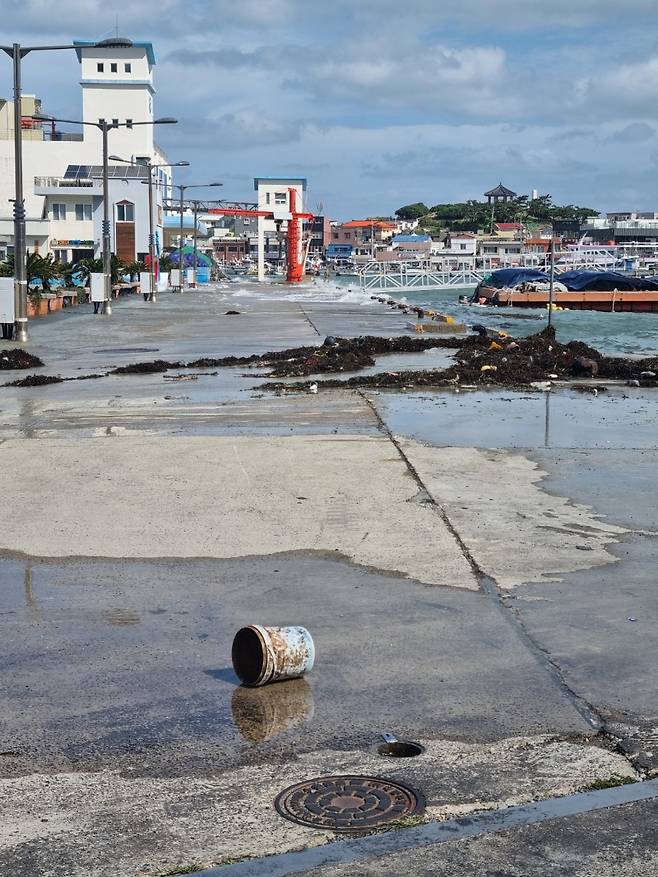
x: 141, y: 368
x: 340, y: 354
x: 35, y: 381
x: 15, y: 359
x: 500, y: 360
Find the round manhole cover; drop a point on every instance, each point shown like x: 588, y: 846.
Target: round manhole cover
x: 348, y: 803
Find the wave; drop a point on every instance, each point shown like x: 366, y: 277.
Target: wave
x: 319, y: 290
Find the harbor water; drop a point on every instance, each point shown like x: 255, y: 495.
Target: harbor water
x: 614, y: 334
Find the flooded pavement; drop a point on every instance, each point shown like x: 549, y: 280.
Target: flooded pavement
x: 476, y: 570
x: 142, y: 651
x: 620, y: 417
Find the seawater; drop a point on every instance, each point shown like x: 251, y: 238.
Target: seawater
x: 615, y: 334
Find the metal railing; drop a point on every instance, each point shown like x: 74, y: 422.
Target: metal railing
x: 64, y: 183
x: 382, y: 276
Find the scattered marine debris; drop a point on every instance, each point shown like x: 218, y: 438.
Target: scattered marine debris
x: 18, y: 359
x: 497, y: 359
x: 485, y: 358
x: 35, y: 381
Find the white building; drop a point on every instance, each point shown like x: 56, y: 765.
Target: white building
x: 274, y: 195
x: 455, y: 252
x: 62, y: 172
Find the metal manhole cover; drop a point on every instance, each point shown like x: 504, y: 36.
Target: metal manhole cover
x: 128, y: 350
x: 348, y: 803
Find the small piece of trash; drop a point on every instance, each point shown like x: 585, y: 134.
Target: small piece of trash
x: 631, y: 619
x: 584, y: 548
x: 313, y: 388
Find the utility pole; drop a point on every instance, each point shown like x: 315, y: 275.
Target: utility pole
x: 20, y: 280
x: 105, y: 231
x: 551, y: 283
x: 194, y: 256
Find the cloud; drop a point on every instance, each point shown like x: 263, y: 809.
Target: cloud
x: 245, y: 129
x: 626, y: 89
x: 636, y: 132
x: 384, y: 103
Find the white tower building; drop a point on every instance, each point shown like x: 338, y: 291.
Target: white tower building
x: 117, y: 85
x: 62, y: 169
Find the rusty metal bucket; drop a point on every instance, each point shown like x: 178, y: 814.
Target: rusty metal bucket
x: 269, y: 654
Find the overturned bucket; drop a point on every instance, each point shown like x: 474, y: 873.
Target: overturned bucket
x: 268, y: 654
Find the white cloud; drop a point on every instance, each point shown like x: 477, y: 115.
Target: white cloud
x: 627, y: 89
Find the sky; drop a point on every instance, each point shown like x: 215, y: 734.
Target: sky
x: 380, y: 103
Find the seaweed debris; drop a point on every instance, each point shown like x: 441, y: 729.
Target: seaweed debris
x: 499, y: 360
x: 335, y: 355
x: 35, y: 381
x: 18, y: 359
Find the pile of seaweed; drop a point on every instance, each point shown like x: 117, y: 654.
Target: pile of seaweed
x: 499, y: 360
x: 483, y: 359
x: 334, y: 355
x: 35, y: 381
x: 16, y: 358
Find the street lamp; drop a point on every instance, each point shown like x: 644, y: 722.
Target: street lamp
x: 181, y: 188
x: 104, y: 127
x: 150, y: 167
x: 17, y: 52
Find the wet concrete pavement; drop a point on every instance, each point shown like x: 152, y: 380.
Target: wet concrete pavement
x: 476, y: 569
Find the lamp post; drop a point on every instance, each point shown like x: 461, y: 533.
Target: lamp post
x: 17, y: 52
x: 195, y: 205
x: 105, y: 127
x: 182, y: 187
x: 149, y: 182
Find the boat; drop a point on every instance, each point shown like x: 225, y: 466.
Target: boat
x: 606, y: 291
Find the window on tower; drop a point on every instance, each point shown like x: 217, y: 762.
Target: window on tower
x: 100, y: 67
x: 125, y: 212
x: 113, y: 68
x: 128, y: 68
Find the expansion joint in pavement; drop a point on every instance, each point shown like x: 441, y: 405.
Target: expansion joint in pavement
x: 310, y: 321
x: 489, y: 588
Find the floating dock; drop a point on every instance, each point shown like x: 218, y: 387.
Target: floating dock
x: 642, y: 301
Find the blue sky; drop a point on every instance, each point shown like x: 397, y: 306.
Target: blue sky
x: 383, y: 103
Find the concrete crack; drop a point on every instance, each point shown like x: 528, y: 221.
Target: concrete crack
x: 490, y: 588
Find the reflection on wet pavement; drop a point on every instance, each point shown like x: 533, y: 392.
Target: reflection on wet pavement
x: 120, y: 617
x: 262, y: 713
x: 620, y: 417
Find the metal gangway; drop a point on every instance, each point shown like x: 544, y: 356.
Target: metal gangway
x: 384, y: 277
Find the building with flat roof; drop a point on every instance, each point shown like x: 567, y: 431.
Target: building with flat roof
x: 62, y: 174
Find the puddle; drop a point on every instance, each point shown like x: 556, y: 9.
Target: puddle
x: 617, y: 418
x: 262, y: 713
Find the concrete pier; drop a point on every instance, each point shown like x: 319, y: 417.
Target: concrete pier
x: 474, y: 580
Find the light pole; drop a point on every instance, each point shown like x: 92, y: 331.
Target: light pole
x: 182, y: 187
x: 104, y: 127
x: 196, y: 242
x: 147, y: 164
x: 17, y: 52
